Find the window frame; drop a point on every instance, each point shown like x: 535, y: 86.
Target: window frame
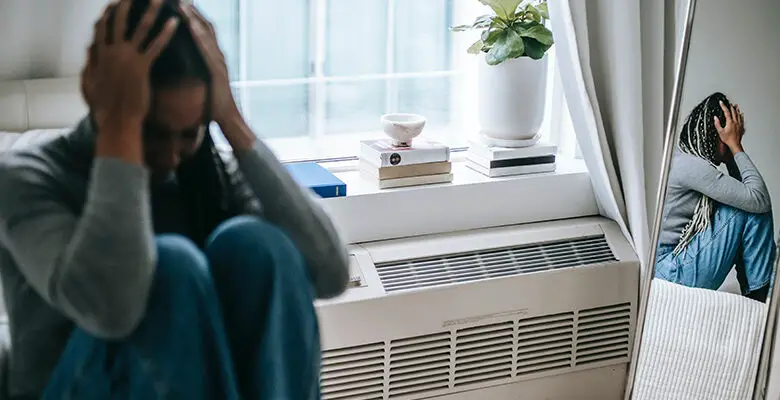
x: 318, y: 80
x: 462, y: 86
x: 361, y: 216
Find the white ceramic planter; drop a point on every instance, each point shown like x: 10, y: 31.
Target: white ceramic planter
x: 511, y: 100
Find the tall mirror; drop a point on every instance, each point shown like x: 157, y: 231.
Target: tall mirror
x: 713, y: 262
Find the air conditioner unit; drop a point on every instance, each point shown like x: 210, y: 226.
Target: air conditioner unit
x: 537, y: 311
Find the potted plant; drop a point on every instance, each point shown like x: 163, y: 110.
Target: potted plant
x: 513, y: 77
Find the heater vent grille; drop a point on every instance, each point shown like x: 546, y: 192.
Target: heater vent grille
x: 444, y: 362
x: 603, y: 334
x: 494, y: 263
x: 419, y: 365
x: 545, y: 343
x: 353, y: 373
x: 484, y: 353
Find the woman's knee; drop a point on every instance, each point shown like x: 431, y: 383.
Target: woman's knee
x: 181, y: 283
x: 728, y: 213
x: 180, y: 263
x: 253, y: 246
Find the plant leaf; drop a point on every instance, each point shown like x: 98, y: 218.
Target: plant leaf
x: 531, y: 12
x: 535, y: 31
x: 489, y: 36
x: 503, y: 8
x: 482, y: 22
x: 534, y: 49
x: 476, y: 48
x: 543, y: 10
x: 516, y: 44
x: 460, y: 28
x: 499, y: 23
x: 509, y: 44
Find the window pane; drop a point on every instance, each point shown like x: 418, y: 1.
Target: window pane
x: 354, y: 106
x: 422, y: 36
x: 277, y: 111
x: 429, y: 97
x: 277, y: 39
x: 356, y: 37
x: 224, y: 15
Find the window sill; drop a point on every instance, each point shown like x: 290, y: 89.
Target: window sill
x: 471, y: 201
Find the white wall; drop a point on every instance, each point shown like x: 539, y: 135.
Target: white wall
x: 45, y: 38
x: 734, y: 50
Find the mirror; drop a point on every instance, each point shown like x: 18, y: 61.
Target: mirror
x: 703, y: 323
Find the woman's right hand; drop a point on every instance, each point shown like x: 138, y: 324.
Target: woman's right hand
x: 732, y: 129
x: 115, y: 81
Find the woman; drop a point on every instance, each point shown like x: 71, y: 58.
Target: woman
x: 130, y: 262
x: 714, y: 221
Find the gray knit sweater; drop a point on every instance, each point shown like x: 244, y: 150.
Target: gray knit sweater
x: 77, y: 245
x: 691, y: 176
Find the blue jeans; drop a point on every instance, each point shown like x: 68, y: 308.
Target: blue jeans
x: 233, y: 321
x: 736, y: 239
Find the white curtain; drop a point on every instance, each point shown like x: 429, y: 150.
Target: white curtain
x: 611, y: 59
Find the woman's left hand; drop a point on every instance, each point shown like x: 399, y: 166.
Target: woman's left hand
x: 223, y: 106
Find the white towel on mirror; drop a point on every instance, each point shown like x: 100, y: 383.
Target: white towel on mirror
x: 698, y: 344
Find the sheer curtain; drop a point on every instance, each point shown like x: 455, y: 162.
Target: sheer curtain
x: 611, y: 56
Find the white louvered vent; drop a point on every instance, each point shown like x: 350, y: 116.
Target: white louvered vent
x: 484, y: 353
x: 603, y: 334
x: 419, y: 365
x: 495, y: 263
x: 440, y: 363
x: 354, y: 373
x: 545, y: 343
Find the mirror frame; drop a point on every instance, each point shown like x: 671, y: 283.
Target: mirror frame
x: 760, y: 385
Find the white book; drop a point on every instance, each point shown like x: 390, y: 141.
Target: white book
x: 510, y: 162
x: 509, y: 171
x: 405, y: 171
x: 382, y: 153
x: 410, y: 181
x: 492, y: 153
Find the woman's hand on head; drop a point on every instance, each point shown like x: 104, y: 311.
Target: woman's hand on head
x: 732, y: 128
x: 115, y: 81
x: 223, y: 107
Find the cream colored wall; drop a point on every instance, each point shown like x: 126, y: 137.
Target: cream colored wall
x: 45, y: 38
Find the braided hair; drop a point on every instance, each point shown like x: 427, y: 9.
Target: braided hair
x: 215, y: 189
x: 699, y: 137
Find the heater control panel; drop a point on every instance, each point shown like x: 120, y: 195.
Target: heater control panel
x: 355, y: 274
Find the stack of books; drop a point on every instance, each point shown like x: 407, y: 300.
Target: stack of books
x: 494, y: 161
x: 423, y: 163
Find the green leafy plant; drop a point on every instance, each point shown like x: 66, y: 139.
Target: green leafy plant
x: 515, y: 30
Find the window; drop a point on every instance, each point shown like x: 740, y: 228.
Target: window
x: 312, y: 77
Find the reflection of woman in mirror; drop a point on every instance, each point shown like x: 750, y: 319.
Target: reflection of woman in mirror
x: 714, y: 221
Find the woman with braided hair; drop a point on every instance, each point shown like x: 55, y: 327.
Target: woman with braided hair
x: 713, y: 221
x: 137, y: 263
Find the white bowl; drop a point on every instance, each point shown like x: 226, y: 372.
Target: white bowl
x: 402, y: 128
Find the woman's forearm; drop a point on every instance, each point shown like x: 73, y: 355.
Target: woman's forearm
x: 120, y: 139
x: 291, y: 208
x: 96, y: 267
x: 750, y: 194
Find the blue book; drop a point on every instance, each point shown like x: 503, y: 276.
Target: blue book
x: 318, y: 179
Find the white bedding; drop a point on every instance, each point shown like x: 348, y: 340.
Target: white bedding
x: 698, y: 344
